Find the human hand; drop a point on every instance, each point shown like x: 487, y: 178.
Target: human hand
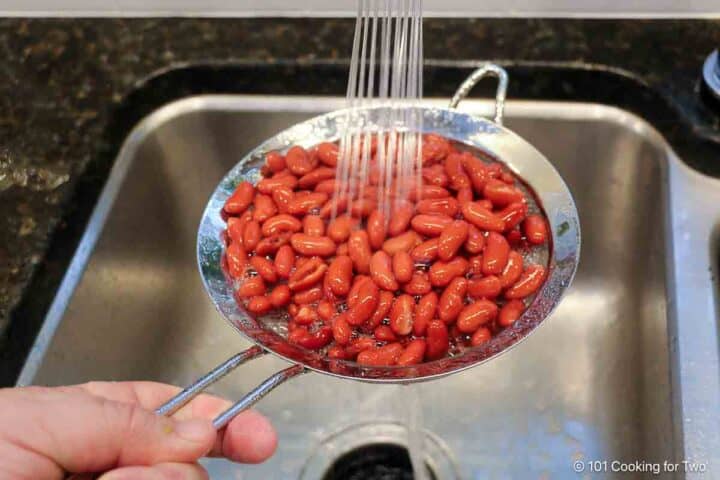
x: 46, y: 433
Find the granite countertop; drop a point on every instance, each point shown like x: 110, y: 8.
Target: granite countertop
x: 63, y: 80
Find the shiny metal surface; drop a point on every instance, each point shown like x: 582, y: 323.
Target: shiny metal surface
x: 551, y: 192
x: 711, y: 74
x: 482, y: 72
x: 626, y: 368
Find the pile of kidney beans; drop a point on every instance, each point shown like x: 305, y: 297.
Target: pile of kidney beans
x: 444, y: 271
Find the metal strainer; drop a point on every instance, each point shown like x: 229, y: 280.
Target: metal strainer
x: 490, y: 137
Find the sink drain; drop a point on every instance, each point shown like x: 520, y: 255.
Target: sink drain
x: 376, y: 451
x: 379, y: 461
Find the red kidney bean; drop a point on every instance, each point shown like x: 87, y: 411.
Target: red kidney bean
x: 251, y: 235
x: 361, y: 208
x: 299, y: 162
x: 475, y: 241
x: 236, y: 259
x: 400, y: 219
x: 476, y: 314
x: 437, y: 340
x: 342, y: 331
x: 313, y: 226
x: 419, y: 284
x: 435, y: 176
x: 275, y: 162
x: 359, y: 251
x: 264, y: 208
x: 236, y: 226
x: 475, y: 265
x: 495, y: 255
x: 456, y: 172
x: 368, y: 297
x: 307, y: 275
x: 312, y: 341
x: 501, y: 194
x: 327, y: 186
x: 306, y: 315
x: 513, y: 269
x: 481, y: 335
x: 430, y: 225
x: 442, y: 273
x: 413, y: 353
x: 376, y: 229
x: 535, y: 229
x: 340, y: 275
x: 284, y: 261
x: 251, y: 287
x: 402, y: 266
x: 383, y: 333
x: 452, y: 300
x: 282, y: 196
x: 443, y: 206
x: 434, y: 148
x: 271, y: 244
x: 360, y: 344
x: 267, y: 185
x: 265, y: 268
x: 340, y: 228
x: 424, y: 312
x: 259, y: 305
x: 355, y: 289
x: 382, y: 356
x: 452, y: 239
x: 280, y: 224
x: 310, y: 246
x: 381, y: 271
x: 328, y: 153
x: 339, y: 204
x: 530, y: 280
x: 513, y: 214
x: 484, y: 287
x: 280, y: 296
x: 476, y: 172
x: 426, y: 251
x: 312, y: 179
x: 401, y: 315
x: 336, y: 352
x: 385, y: 302
x: 482, y: 218
x: 304, y: 204
x: 427, y: 191
x: 311, y: 295
x: 510, y: 312
x: 402, y: 243
x: 241, y: 199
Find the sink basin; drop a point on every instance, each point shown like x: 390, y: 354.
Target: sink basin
x: 625, y: 370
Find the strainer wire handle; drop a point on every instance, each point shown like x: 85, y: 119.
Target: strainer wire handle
x: 489, y: 69
x: 250, y: 399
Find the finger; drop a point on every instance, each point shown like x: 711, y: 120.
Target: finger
x: 81, y: 432
x: 249, y: 438
x: 150, y: 395
x: 162, y: 471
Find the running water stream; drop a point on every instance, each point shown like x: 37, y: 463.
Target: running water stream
x: 386, y: 71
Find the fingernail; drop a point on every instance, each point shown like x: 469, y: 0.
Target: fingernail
x: 195, y: 430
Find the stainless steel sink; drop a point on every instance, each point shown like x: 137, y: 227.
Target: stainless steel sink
x: 626, y: 369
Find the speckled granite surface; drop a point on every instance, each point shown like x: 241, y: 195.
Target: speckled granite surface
x: 63, y: 82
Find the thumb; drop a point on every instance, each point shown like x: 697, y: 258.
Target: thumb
x: 84, y: 433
